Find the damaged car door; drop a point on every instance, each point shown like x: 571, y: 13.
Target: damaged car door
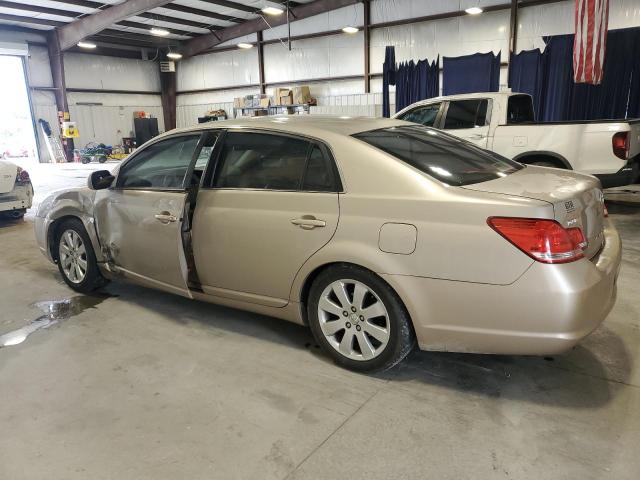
x: 141, y: 219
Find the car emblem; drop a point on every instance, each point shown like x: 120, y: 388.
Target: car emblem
x: 569, y: 206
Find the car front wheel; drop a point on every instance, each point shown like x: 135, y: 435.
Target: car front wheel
x: 76, y: 258
x: 358, y: 319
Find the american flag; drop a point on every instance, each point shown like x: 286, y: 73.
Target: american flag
x: 592, y: 18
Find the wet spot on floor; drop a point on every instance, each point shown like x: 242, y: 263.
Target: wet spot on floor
x: 54, y: 311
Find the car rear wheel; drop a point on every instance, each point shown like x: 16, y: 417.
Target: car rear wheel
x: 358, y: 319
x: 76, y: 258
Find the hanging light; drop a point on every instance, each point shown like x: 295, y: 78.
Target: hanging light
x: 271, y: 8
x: 159, y: 32
x: 245, y: 45
x: 174, y: 55
x: 473, y: 10
x: 272, y: 11
x: 87, y: 45
x: 351, y: 30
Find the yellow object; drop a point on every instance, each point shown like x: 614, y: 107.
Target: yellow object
x: 70, y: 130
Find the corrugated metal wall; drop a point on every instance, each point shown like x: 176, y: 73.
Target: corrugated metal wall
x: 342, y: 55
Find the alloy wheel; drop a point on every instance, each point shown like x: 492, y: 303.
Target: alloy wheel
x: 72, y: 256
x: 354, y: 320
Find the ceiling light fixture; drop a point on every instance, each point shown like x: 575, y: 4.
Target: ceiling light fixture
x: 350, y: 29
x: 88, y: 45
x: 272, y: 11
x: 159, y: 32
x: 245, y: 45
x: 174, y: 55
x: 473, y: 10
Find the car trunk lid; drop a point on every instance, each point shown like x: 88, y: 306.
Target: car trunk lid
x: 8, y: 172
x: 576, y: 198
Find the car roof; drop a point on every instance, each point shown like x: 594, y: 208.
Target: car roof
x: 311, y: 125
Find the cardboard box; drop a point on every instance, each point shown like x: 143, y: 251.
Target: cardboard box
x: 265, y: 101
x: 260, y: 113
x: 238, y: 102
x: 286, y: 99
x: 301, y: 95
x: 281, y: 92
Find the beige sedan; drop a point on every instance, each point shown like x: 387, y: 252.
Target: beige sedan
x: 375, y: 233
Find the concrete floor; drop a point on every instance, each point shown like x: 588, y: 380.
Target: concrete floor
x: 144, y: 385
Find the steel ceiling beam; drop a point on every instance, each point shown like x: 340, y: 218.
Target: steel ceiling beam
x: 71, y: 14
x: 199, y: 12
x: 31, y: 20
x: 71, y: 34
x: 210, y: 40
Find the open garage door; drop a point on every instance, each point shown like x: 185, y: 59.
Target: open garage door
x: 17, y: 138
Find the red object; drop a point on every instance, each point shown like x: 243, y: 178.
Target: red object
x: 543, y: 240
x: 620, y: 144
x: 590, y: 41
x: 22, y: 176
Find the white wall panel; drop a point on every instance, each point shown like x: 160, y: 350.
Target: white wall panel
x: 333, y: 20
x: 109, y: 122
x: 38, y: 68
x: 448, y: 37
x: 558, y: 18
x: 223, y: 69
x: 111, y: 73
x: 390, y: 10
x: 252, y: 38
x: 335, y: 56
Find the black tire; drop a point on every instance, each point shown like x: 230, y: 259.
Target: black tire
x: 85, y: 160
x: 401, y: 335
x: 93, y: 279
x: 102, y: 159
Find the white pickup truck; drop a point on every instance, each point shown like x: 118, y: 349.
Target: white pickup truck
x: 504, y: 122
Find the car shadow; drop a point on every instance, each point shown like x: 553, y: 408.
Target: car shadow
x: 7, y: 222
x: 578, y: 379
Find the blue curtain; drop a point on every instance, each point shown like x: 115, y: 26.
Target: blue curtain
x: 479, y: 72
x: 388, y: 77
x: 548, y: 77
x: 526, y: 75
x: 416, y: 81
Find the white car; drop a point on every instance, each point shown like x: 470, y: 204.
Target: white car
x: 16, y: 191
x: 504, y: 122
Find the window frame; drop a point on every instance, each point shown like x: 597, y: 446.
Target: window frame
x: 439, y: 115
x: 202, y: 135
x: 487, y: 118
x: 215, y: 162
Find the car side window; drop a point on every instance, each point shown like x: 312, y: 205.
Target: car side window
x: 425, y: 115
x: 320, y: 175
x: 261, y: 160
x: 466, y: 114
x: 162, y: 165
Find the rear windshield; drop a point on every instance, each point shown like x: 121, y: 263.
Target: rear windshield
x: 447, y: 158
x: 520, y: 110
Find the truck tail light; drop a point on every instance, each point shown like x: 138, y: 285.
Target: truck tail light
x: 620, y: 143
x: 22, y: 176
x: 543, y: 240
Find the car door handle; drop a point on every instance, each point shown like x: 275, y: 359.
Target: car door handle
x: 308, y: 222
x: 165, y: 217
x: 477, y: 136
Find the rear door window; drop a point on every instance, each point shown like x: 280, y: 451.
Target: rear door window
x: 425, y: 115
x: 442, y: 156
x: 520, y: 110
x: 466, y: 114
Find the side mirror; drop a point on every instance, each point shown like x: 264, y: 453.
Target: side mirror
x: 100, y: 180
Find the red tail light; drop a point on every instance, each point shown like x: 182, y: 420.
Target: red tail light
x: 543, y: 240
x: 22, y: 176
x: 620, y: 143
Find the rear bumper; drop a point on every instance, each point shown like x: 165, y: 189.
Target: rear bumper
x: 20, y: 198
x: 548, y: 310
x: 627, y: 175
